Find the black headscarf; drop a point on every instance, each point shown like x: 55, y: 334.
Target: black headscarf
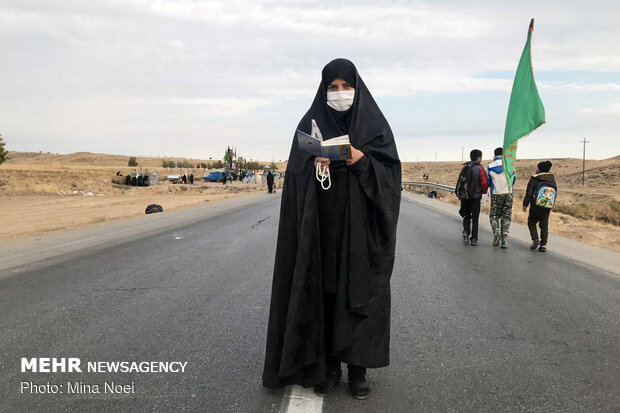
x: 345, y: 70
x: 295, y: 352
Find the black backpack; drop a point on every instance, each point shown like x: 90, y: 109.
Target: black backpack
x: 153, y: 208
x: 467, y: 186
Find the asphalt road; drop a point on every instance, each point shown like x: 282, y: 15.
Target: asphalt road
x: 473, y: 328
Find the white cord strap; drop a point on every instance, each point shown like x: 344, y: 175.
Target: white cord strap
x: 322, y: 175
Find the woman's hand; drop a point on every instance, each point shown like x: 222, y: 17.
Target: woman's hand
x: 356, y: 155
x: 324, y: 163
x: 524, y: 208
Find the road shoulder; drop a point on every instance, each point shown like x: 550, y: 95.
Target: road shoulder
x: 29, y: 250
x: 599, y: 258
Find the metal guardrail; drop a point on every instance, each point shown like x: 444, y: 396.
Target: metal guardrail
x: 429, y: 185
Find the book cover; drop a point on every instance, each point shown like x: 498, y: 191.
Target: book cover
x: 337, y: 152
x: 335, y: 149
x: 309, y: 143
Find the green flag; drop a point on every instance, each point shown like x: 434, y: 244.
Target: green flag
x: 525, y: 112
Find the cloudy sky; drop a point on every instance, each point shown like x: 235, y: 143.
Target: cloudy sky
x: 189, y: 77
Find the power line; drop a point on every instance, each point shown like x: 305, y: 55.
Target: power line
x: 604, y: 143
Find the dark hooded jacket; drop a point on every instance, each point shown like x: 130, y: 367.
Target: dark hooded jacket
x: 296, y: 349
x: 533, y: 183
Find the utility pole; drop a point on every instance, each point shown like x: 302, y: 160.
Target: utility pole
x: 435, y: 156
x: 462, y: 149
x: 583, y: 170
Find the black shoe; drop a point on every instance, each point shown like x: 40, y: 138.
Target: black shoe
x: 473, y: 242
x: 542, y: 248
x: 496, y: 238
x: 504, y: 244
x: 322, y: 389
x: 333, y: 379
x: 535, y: 244
x: 359, y: 388
x: 465, y: 238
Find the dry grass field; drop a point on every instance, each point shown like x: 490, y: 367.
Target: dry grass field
x: 588, y: 213
x: 45, y: 192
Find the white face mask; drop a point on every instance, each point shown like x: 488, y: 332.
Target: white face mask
x: 340, y: 101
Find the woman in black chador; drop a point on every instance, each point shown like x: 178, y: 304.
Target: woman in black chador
x: 330, y: 299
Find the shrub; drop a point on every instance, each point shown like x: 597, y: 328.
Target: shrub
x: 4, y: 154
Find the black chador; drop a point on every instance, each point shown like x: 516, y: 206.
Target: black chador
x: 330, y: 296
x: 270, y: 182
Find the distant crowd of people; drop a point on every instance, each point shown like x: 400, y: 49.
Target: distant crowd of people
x: 137, y: 178
x: 242, y: 176
x: 474, y: 182
x: 187, y: 178
x: 272, y: 179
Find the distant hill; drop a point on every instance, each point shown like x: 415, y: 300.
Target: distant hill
x: 599, y: 173
x: 100, y: 159
x: 88, y: 158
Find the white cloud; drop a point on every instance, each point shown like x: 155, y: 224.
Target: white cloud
x: 136, y: 63
x: 580, y: 87
x: 610, y: 109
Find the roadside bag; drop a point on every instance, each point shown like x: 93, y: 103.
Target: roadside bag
x: 153, y: 208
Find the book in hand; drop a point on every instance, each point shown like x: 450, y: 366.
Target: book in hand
x: 333, y: 149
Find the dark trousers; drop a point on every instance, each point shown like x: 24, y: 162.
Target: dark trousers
x: 470, y: 211
x: 270, y: 187
x: 539, y: 216
x: 333, y: 363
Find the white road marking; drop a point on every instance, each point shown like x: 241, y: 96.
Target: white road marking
x: 301, y: 400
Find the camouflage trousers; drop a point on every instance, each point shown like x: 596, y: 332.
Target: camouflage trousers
x: 501, y: 214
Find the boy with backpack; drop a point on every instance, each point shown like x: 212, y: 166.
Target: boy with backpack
x: 540, y: 196
x: 472, y: 183
x: 501, y: 200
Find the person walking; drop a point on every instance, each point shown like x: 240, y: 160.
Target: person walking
x: 330, y: 298
x: 540, y: 196
x: 501, y: 200
x: 470, y: 186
